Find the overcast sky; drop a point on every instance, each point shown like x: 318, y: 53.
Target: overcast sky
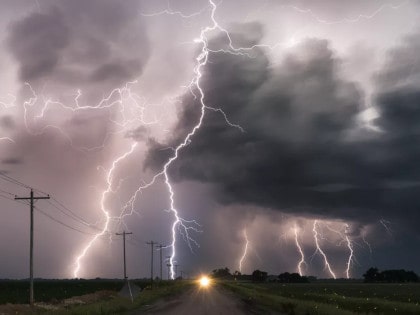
x: 293, y: 124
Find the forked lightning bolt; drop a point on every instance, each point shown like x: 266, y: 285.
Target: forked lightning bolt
x: 245, y: 251
x: 110, y: 182
x: 116, y: 99
x: 345, y: 239
x: 350, y: 247
x: 300, y: 250
x: 319, y: 250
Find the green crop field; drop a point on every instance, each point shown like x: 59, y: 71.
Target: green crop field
x: 17, y: 291
x: 14, y: 293
x: 330, y: 298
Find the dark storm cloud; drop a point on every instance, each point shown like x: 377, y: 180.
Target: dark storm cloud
x: 37, y: 42
x: 80, y: 44
x: 403, y: 65
x: 296, y: 154
x: 13, y: 161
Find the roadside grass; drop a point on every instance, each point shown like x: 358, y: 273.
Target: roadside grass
x: 120, y: 305
x: 337, y: 298
x: 17, y: 291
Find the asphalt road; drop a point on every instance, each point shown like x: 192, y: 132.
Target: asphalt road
x: 211, y: 300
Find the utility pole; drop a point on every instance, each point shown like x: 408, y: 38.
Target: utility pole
x: 125, y: 266
x: 31, y: 246
x: 168, y: 265
x: 176, y: 270
x: 152, y: 244
x: 160, y: 246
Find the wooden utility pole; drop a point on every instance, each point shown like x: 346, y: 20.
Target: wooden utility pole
x: 31, y: 246
x: 160, y: 246
x: 176, y: 270
x: 168, y: 265
x: 125, y: 266
x: 152, y: 244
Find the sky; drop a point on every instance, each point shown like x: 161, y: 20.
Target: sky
x: 274, y: 135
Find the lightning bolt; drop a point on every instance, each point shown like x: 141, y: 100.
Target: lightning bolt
x: 201, y: 62
x: 116, y: 99
x: 245, y: 251
x: 300, y: 250
x: 386, y: 224
x: 350, y: 247
x: 109, y: 180
x: 319, y: 250
x: 346, y: 239
x: 5, y: 103
x: 356, y: 19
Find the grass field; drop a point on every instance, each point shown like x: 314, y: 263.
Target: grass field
x: 331, y: 298
x: 123, y: 306
x: 17, y: 291
x: 55, y: 291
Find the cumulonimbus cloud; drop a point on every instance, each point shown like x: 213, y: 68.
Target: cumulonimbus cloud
x: 296, y: 154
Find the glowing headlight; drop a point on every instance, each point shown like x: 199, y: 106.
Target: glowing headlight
x: 204, y: 281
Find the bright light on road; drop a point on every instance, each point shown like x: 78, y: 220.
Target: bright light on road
x: 204, y: 281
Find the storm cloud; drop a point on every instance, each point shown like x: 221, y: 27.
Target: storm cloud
x: 296, y: 153
x: 320, y: 126
x: 93, y: 45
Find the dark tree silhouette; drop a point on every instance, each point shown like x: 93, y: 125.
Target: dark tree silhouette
x: 372, y: 275
x: 222, y: 273
x: 292, y: 278
x: 259, y: 276
x: 400, y: 275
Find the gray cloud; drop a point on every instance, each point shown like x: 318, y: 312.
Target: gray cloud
x: 7, y: 122
x: 12, y: 160
x: 295, y: 154
x: 93, y: 45
x: 137, y: 134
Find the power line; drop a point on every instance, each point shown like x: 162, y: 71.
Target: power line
x: 6, y: 192
x: 12, y: 180
x: 62, y: 223
x: 12, y: 199
x: 51, y: 217
x: 74, y: 217
x: 71, y: 214
x: 70, y: 211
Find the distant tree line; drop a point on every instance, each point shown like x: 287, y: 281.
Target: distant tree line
x: 259, y: 276
x: 222, y: 273
x: 292, y: 278
x: 399, y: 275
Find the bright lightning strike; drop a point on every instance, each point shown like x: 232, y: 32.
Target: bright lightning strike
x: 245, y: 251
x: 129, y: 106
x: 346, y: 239
x: 201, y: 62
x: 104, y: 209
x: 116, y: 98
x: 350, y: 247
x: 300, y: 250
x: 319, y: 250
